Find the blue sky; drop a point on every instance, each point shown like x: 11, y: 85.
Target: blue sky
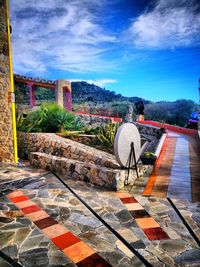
x: 144, y: 48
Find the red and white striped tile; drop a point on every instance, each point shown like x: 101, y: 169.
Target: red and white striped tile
x: 73, y: 247
x: 150, y: 227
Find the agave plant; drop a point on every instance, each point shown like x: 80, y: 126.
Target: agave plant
x: 19, y: 121
x: 49, y: 118
x: 107, y: 134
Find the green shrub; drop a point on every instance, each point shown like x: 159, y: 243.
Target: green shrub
x: 49, y: 118
x: 78, y: 125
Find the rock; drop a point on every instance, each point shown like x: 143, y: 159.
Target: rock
x: 6, y: 132
x: 21, y: 234
x: 13, y: 226
x: 124, y: 248
x: 73, y: 201
x: 57, y: 258
x: 35, y: 232
x: 34, y: 258
x: 5, y: 238
x: 128, y: 235
x: 138, y: 244
x: 166, y: 259
x: 124, y: 215
x: 31, y: 243
x: 11, y: 250
x: 173, y: 247
x: 113, y: 257
x: 5, y: 220
x: 171, y: 233
x: 109, y: 217
x: 126, y: 262
x: 4, y: 263
x: 158, y: 208
x: 189, y: 257
x: 84, y: 220
x: 108, y: 236
x: 64, y: 213
x: 88, y: 235
x: 196, y: 218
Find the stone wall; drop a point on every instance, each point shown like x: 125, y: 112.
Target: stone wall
x: 6, y: 131
x: 75, y: 160
x: 95, y: 121
x: 58, y: 146
x: 151, y: 133
x: 149, y: 130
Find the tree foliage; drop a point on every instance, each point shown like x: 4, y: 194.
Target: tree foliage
x: 85, y: 92
x: 175, y: 113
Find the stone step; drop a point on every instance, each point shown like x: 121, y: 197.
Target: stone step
x: 85, y: 171
x: 63, y: 147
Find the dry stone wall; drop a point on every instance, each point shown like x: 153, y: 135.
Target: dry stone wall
x: 93, y: 121
x: 86, y: 171
x: 58, y: 146
x: 75, y: 160
x: 6, y: 131
x: 149, y: 130
x: 151, y: 133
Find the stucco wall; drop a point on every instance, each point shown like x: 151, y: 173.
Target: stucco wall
x: 6, y: 131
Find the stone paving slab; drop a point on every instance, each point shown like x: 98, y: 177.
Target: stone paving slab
x: 73, y: 247
x: 13, y: 172
x: 62, y: 206
x: 22, y: 240
x: 165, y: 250
x: 25, y: 243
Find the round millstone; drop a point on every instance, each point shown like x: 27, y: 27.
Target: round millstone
x: 126, y: 134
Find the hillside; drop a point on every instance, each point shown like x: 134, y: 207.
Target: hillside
x: 83, y: 91
x: 89, y: 98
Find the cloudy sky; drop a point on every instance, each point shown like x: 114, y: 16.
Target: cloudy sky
x: 145, y: 48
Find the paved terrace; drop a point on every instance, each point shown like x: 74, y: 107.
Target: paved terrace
x: 177, y: 170
x: 43, y: 224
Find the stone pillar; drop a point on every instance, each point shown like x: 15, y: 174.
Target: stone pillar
x: 59, y: 92
x: 68, y: 101
x: 31, y: 95
x: 6, y: 126
x: 64, y: 86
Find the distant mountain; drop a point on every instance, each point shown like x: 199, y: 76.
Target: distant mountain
x: 82, y: 92
x: 85, y: 92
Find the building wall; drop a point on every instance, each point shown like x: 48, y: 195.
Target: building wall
x: 6, y: 130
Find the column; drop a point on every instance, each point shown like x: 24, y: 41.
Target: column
x: 68, y: 101
x: 59, y: 92
x: 31, y: 94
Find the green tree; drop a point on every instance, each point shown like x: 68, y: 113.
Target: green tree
x: 175, y: 113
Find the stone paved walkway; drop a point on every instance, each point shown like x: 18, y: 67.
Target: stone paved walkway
x: 32, y: 241
x: 177, y: 171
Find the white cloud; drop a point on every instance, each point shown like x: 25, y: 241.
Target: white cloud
x: 169, y: 24
x: 64, y: 35
x: 101, y: 82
